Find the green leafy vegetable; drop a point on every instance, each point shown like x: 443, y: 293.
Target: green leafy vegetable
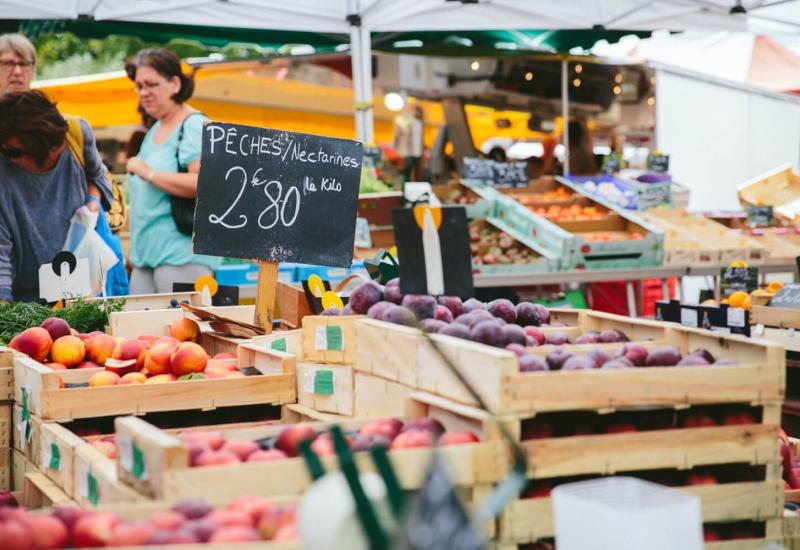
x: 82, y: 315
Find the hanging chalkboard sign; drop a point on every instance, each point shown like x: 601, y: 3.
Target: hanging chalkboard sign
x: 657, y: 162
x: 372, y: 156
x: 276, y: 196
x: 478, y: 169
x: 760, y: 216
x: 496, y: 174
x: 733, y: 279
x: 788, y: 297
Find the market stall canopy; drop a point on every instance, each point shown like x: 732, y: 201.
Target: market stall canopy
x: 41, y: 9
x: 739, y: 57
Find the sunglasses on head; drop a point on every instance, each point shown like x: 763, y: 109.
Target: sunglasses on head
x: 12, y: 152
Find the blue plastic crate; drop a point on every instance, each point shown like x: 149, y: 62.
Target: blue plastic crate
x: 332, y: 274
x: 247, y: 274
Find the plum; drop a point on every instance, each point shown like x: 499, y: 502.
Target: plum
x: 443, y: 314
x: 377, y: 311
x: 348, y: 309
x: 635, y: 353
x: 472, y: 304
x: 599, y: 356
x: 518, y: 349
x: 484, y: 314
x: 556, y: 358
x: 666, y: 356
x: 193, y: 509
x: 332, y: 311
x: 556, y: 338
x: 489, y: 333
x: 466, y: 319
x: 515, y: 335
x: 530, y: 341
x: 421, y: 305
x: 578, y: 362
x: 503, y: 309
x: 617, y: 363
x: 527, y: 315
x: 453, y: 303
x: 426, y: 424
x: 531, y: 363
x: 613, y: 335
x: 705, y: 354
x: 591, y: 337
x: 724, y: 361
x: 456, y: 330
x: 392, y: 292
x: 693, y: 361
x: 432, y: 325
x: 544, y: 314
x: 364, y: 296
x: 365, y: 442
x: 536, y: 334
x: 399, y: 316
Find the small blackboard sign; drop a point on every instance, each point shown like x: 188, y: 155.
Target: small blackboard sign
x: 496, y: 174
x: 612, y: 163
x: 657, y: 162
x: 733, y: 279
x: 453, y: 248
x: 478, y: 169
x: 760, y: 216
x: 373, y: 156
x: 788, y: 297
x: 276, y: 196
x: 226, y: 295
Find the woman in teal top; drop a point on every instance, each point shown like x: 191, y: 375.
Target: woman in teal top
x: 167, y: 164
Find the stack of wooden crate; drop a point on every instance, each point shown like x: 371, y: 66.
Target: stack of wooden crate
x: 6, y: 408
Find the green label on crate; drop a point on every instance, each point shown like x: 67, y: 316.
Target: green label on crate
x: 55, y: 457
x: 334, y: 334
x: 323, y: 382
x: 138, y: 469
x: 91, y: 485
x: 279, y: 345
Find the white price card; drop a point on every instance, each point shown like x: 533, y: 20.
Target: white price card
x: 689, y: 317
x: 125, y: 452
x: 735, y: 317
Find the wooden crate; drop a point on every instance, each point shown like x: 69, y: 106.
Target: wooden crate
x: 779, y: 188
x: 96, y: 481
x: 20, y: 466
x: 776, y: 324
x: 6, y: 374
x: 28, y: 447
x: 165, y: 459
x: 141, y: 302
x: 288, y: 341
x: 6, y: 466
x: 38, y: 491
x: 57, y: 451
x: 275, y: 385
x: 404, y: 355
x: 329, y: 339
x: 6, y: 424
x: 292, y: 304
x: 132, y: 324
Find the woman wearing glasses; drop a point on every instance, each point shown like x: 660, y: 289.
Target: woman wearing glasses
x: 43, y: 185
x: 17, y: 63
x: 166, y: 166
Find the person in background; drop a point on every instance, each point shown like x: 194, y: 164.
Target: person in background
x: 43, y: 184
x: 408, y: 141
x: 549, y: 160
x: 17, y: 63
x: 581, y: 152
x: 167, y: 165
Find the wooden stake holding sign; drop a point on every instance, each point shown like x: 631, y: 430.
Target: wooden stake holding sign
x: 275, y: 196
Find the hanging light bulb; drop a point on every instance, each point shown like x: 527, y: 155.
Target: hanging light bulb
x: 475, y: 65
x: 617, y: 90
x: 578, y: 68
x: 394, y: 101
x: 618, y: 78
x: 577, y: 82
x: 529, y: 76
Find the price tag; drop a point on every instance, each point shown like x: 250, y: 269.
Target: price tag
x: 125, y: 452
x: 759, y: 329
x: 82, y: 477
x: 689, y: 317
x: 735, y: 317
x: 93, y: 491
x: 51, y: 457
x: 323, y: 382
x: 139, y: 469
x: 279, y: 344
x: 329, y: 337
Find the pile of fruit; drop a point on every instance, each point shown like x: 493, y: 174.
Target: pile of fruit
x: 460, y: 195
x: 210, y: 448
x: 490, y: 246
x: 572, y: 213
x: 630, y: 355
x: 609, y: 236
x: 147, y: 359
x: 248, y: 519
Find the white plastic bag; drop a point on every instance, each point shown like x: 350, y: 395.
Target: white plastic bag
x: 84, y: 242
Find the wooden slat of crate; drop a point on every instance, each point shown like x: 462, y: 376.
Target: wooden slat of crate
x: 292, y: 303
x: 338, y: 402
x: 215, y: 343
x: 132, y: 324
x: 20, y: 465
x: 315, y: 352
x: 6, y: 425
x: 40, y: 492
x: 6, y: 466
x: 528, y: 520
x: 292, y: 414
x: 266, y: 361
x: 168, y: 478
x: 91, y: 464
x: 291, y: 339
x: 49, y: 402
x: 387, y: 351
x: 28, y: 448
x: 777, y: 317
x: 6, y: 374
x: 679, y: 448
x: 376, y: 397
x: 67, y: 444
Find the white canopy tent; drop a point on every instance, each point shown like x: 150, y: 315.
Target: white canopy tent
x: 40, y: 9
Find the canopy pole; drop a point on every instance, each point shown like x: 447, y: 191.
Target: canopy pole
x: 356, y: 67
x: 565, y: 112
x: 367, y: 112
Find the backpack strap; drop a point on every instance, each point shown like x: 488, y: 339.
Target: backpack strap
x: 74, y: 138
x: 181, y: 130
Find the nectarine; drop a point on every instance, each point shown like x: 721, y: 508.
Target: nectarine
x: 133, y: 378
x: 188, y: 358
x: 103, y: 378
x: 185, y: 330
x: 100, y: 348
x: 131, y: 349
x: 34, y: 342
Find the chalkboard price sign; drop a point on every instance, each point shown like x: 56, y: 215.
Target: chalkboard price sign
x: 478, y: 169
x: 733, y: 279
x: 276, y: 196
x: 497, y: 174
x: 657, y: 162
x: 788, y: 297
x: 760, y: 216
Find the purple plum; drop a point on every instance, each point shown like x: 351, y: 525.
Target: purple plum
x: 399, y: 316
x: 393, y: 294
x: 377, y: 311
x: 617, y: 363
x: 724, y: 361
x: 368, y: 441
x: 635, y: 353
x: 693, y: 361
x: 456, y: 330
x: 332, y: 311
x: 666, y: 356
x: 443, y: 314
x: 530, y: 341
x: 453, y: 303
x: 705, y: 354
x: 484, y: 315
x: 421, y: 305
x: 432, y: 325
x: 544, y: 314
x: 515, y: 335
x: 600, y: 357
x: 556, y: 358
x: 578, y: 362
x: 489, y: 333
x: 364, y: 296
x: 591, y: 337
x: 466, y: 319
x: 556, y: 338
x: 613, y: 335
x: 503, y: 309
x: 518, y: 349
x: 472, y: 304
x: 532, y: 363
x: 528, y: 315
x: 347, y: 309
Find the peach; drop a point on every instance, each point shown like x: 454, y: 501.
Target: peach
x: 158, y: 358
x: 103, y: 378
x: 287, y: 532
x: 133, y: 378
x: 230, y: 518
x: 120, y: 368
x: 161, y: 379
x: 167, y: 339
x: 56, y: 366
x: 188, y: 358
x: 131, y: 534
x: 290, y: 438
x: 267, y: 456
x: 167, y: 520
x: 215, y: 458
x: 47, y: 532
x: 149, y: 339
x: 14, y: 534
x: 89, y: 365
x: 107, y: 448
x: 241, y: 448
x: 235, y: 534
x: 212, y: 440
x: 253, y: 506
x: 68, y: 350
x: 224, y: 364
x: 273, y: 519
x: 99, y: 348
x: 34, y: 342
x: 94, y: 530
x: 185, y: 330
x: 225, y: 355
x: 131, y: 349
x: 56, y: 327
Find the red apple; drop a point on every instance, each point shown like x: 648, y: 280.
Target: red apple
x: 15, y: 535
x: 387, y: 427
x: 131, y: 534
